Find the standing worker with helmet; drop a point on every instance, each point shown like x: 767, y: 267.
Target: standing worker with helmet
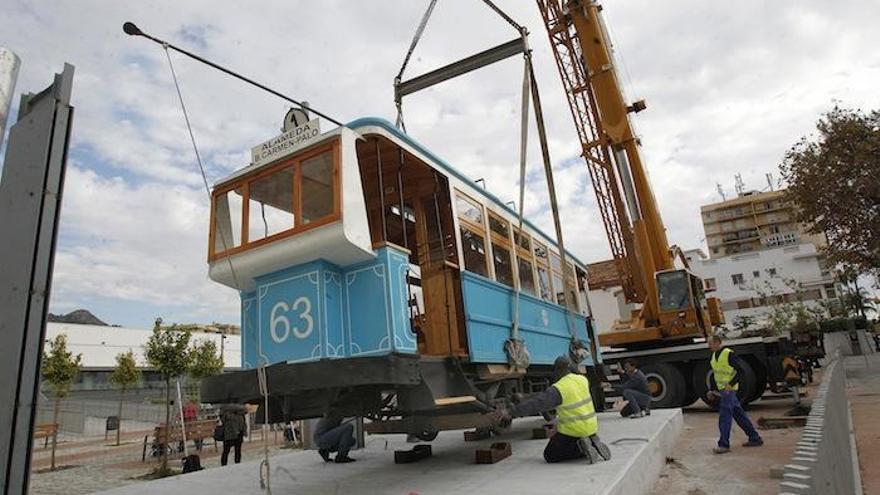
x: 727, y: 371
x: 577, y: 427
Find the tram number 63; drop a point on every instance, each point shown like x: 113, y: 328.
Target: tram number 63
x: 304, y: 306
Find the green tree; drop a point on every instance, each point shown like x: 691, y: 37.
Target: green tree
x: 125, y: 375
x: 59, y: 367
x: 206, y: 360
x: 743, y: 323
x: 833, y: 179
x: 167, y: 352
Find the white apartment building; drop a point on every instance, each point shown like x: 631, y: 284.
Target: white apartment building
x: 749, y: 283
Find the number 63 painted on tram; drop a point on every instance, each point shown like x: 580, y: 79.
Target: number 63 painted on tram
x: 303, y: 307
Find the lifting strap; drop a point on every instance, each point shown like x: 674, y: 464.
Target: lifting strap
x: 398, y: 101
x: 517, y: 353
x: 554, y: 207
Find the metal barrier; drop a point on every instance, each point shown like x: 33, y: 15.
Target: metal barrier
x: 825, y: 460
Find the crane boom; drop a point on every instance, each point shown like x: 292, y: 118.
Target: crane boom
x: 632, y: 221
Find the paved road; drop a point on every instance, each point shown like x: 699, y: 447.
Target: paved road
x: 863, y: 391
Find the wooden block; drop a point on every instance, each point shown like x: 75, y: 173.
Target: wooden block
x: 477, y: 435
x: 496, y: 452
x: 448, y: 401
x: 417, y: 453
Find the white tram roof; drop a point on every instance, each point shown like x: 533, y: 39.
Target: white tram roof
x: 379, y: 125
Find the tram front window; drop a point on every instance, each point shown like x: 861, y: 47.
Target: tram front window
x: 270, y: 207
x: 675, y: 294
x: 228, y: 209
x: 317, y: 187
x: 276, y: 201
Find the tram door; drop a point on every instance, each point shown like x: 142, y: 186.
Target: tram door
x: 444, y: 332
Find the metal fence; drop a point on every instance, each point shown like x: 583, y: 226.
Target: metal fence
x: 82, y: 417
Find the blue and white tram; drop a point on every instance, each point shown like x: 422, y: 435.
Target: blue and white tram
x: 376, y: 278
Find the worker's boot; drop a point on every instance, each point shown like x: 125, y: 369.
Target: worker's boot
x: 325, y: 454
x: 590, y: 453
x: 600, y: 447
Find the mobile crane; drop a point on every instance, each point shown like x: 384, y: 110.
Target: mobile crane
x: 672, y: 312
x: 671, y: 302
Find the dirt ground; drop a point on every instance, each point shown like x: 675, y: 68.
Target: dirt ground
x: 694, y: 470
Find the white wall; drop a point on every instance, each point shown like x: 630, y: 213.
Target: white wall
x: 99, y: 345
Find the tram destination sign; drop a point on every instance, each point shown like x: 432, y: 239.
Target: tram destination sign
x: 285, y: 143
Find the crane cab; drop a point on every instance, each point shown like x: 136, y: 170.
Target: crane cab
x: 683, y: 309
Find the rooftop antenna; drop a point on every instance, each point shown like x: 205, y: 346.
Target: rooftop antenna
x: 769, y: 180
x: 720, y: 191
x: 740, y: 186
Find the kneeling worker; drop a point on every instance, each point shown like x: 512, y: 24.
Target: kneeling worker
x: 635, y: 392
x: 332, y: 436
x: 577, y: 427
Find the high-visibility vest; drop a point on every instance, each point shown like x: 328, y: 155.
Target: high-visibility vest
x: 576, y: 415
x: 722, y: 369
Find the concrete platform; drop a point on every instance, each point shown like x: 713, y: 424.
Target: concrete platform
x: 639, y: 448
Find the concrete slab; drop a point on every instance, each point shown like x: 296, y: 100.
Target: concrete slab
x: 639, y: 448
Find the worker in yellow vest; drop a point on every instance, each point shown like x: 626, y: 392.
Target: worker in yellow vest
x: 726, y: 371
x: 577, y: 425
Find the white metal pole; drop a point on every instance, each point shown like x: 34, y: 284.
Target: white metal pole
x: 9, y: 64
x: 182, y: 420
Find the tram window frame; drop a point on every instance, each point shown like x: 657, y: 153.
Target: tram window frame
x: 243, y: 183
x: 503, y: 242
x: 523, y: 247
x: 543, y: 264
x: 474, y: 228
x: 556, y: 273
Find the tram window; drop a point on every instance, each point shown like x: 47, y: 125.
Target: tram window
x: 498, y: 226
x: 270, y: 204
x: 557, y: 286
x: 228, y: 212
x: 317, y: 187
x: 544, y: 283
x: 503, y: 268
x: 526, y: 278
x: 541, y: 253
x: 522, y: 240
x: 555, y: 262
x: 468, y: 209
x: 474, y: 248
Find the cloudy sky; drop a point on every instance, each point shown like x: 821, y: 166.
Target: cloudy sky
x: 729, y: 87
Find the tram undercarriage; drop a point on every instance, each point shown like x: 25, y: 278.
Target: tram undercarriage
x: 397, y: 393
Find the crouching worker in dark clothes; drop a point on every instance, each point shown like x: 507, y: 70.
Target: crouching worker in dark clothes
x: 333, y: 436
x: 577, y: 426
x: 635, y: 392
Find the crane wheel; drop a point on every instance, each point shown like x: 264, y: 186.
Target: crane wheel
x: 666, y: 383
x: 702, y: 382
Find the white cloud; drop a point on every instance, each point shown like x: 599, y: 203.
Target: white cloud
x: 729, y: 88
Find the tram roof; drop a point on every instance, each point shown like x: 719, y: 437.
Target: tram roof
x: 446, y: 167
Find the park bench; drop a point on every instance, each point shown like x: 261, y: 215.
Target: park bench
x: 163, y: 438
x: 46, y: 431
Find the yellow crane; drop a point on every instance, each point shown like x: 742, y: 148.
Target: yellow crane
x: 670, y: 301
